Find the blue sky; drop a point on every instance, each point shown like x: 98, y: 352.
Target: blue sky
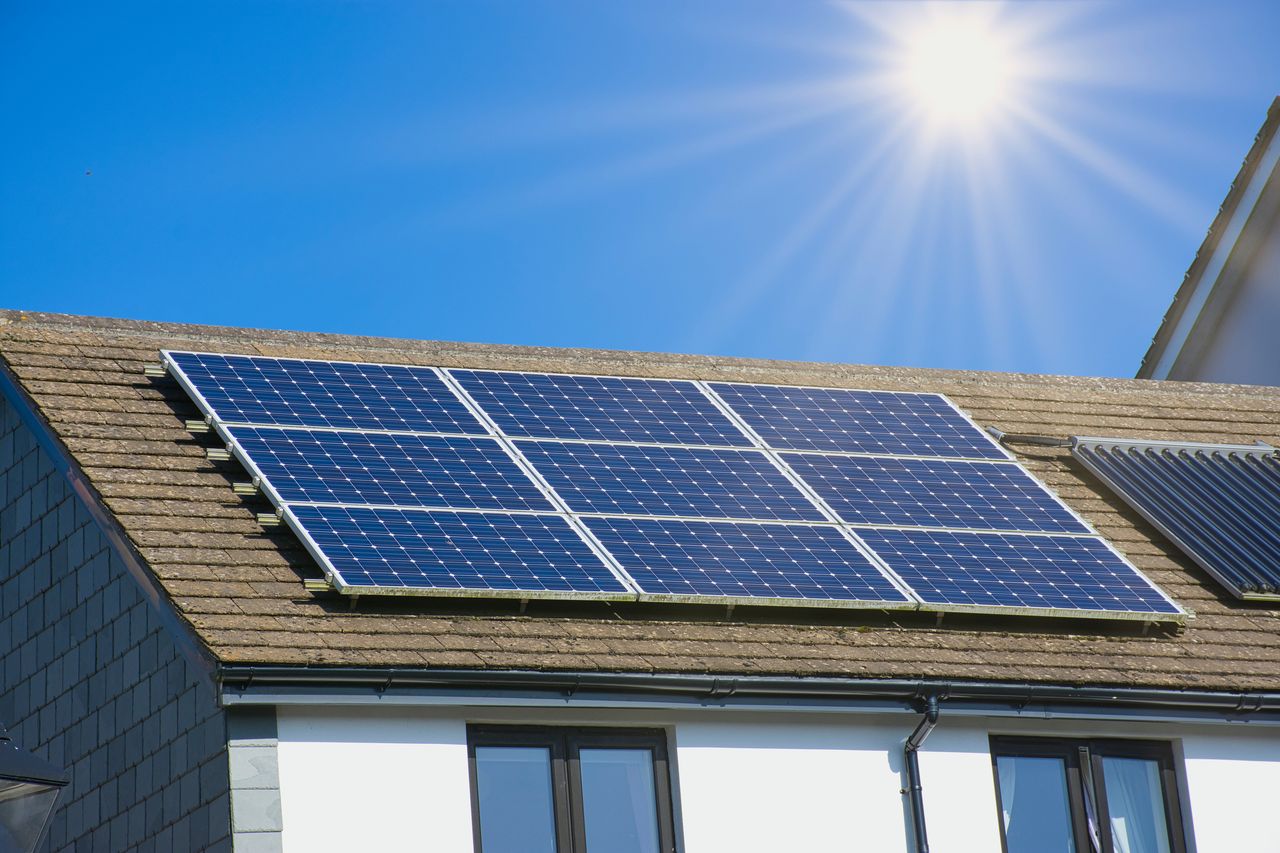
x: 730, y: 178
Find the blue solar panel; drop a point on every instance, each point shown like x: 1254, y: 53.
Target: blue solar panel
x: 832, y: 419
x: 934, y: 493
x: 1011, y: 570
x: 631, y: 480
x: 717, y: 558
x: 441, y: 550
x: 292, y: 392
x: 321, y: 466
x: 541, y: 405
x: 386, y: 507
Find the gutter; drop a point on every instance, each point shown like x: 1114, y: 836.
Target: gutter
x: 914, y: 790
x: 255, y: 685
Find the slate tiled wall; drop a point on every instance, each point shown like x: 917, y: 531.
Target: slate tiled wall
x: 92, y: 682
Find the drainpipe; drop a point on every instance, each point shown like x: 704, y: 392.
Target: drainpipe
x: 914, y: 790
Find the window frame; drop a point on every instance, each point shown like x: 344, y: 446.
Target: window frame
x: 564, y: 745
x: 1075, y: 753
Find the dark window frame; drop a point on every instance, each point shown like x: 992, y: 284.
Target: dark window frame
x: 565, y: 744
x: 1082, y: 760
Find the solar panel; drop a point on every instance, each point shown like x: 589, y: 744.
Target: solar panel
x: 488, y: 553
x: 293, y: 392
x: 838, y: 420
x: 752, y: 561
x: 676, y: 481
x: 600, y: 408
x: 323, y: 466
x: 934, y: 493
x: 1220, y: 504
x: 1005, y: 570
x: 469, y: 482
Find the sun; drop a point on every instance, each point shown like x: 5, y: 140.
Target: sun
x: 958, y: 70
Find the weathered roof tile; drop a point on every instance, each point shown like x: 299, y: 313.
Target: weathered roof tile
x: 240, y: 587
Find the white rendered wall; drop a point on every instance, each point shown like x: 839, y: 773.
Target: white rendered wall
x: 1243, y: 346
x: 361, y: 781
x: 762, y: 788
x: 1233, y: 785
x: 367, y: 779
x: 791, y: 785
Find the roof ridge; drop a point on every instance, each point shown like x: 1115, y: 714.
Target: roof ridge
x: 709, y: 367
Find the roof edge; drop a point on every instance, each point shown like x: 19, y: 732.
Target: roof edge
x: 258, y: 684
x: 606, y: 361
x: 183, y: 634
x: 1193, y: 279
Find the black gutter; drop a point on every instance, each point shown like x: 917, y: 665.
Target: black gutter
x: 915, y: 791
x: 239, y: 680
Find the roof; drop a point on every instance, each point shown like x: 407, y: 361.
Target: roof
x: 240, y: 588
x: 1204, y: 282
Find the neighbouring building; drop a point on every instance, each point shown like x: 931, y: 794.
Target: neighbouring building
x: 1221, y: 325
x: 221, y: 664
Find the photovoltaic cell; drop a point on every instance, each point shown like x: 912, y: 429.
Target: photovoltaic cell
x: 934, y: 493
x: 294, y: 392
x: 444, y: 550
x: 718, y: 558
x: 702, y: 483
x: 540, y: 405
x: 396, y: 486
x: 833, y: 419
x: 320, y: 466
x: 1011, y: 570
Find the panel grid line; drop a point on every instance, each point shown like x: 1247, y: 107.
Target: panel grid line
x: 356, y: 468
x: 623, y: 442
x: 776, y: 458
x: 557, y: 501
x: 305, y: 392
x: 795, y: 417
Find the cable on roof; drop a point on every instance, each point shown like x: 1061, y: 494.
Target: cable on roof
x: 1027, y: 438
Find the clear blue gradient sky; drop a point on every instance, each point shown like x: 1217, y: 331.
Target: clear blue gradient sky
x: 712, y: 177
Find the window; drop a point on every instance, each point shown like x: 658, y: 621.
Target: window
x: 570, y: 790
x: 1086, y: 796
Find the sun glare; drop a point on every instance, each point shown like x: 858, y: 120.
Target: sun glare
x: 957, y: 70
x: 958, y: 73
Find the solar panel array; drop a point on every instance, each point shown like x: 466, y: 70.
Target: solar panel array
x: 1219, y: 503
x: 501, y: 483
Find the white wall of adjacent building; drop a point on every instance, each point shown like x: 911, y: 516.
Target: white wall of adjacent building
x: 365, y: 779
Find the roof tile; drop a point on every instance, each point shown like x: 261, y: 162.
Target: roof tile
x: 240, y: 586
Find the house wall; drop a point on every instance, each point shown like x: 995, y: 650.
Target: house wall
x: 397, y: 779
x: 1226, y: 332
x: 90, y: 680
x: 1242, y: 346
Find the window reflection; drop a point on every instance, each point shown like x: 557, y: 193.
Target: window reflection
x: 1135, y: 803
x: 618, y: 801
x: 516, y: 808
x: 1034, y: 806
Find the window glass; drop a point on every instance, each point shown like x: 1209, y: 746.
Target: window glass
x: 618, y: 801
x: 517, y: 814
x: 24, y: 808
x: 1135, y: 803
x: 1034, y: 805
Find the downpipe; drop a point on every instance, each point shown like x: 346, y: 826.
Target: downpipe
x: 914, y: 790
